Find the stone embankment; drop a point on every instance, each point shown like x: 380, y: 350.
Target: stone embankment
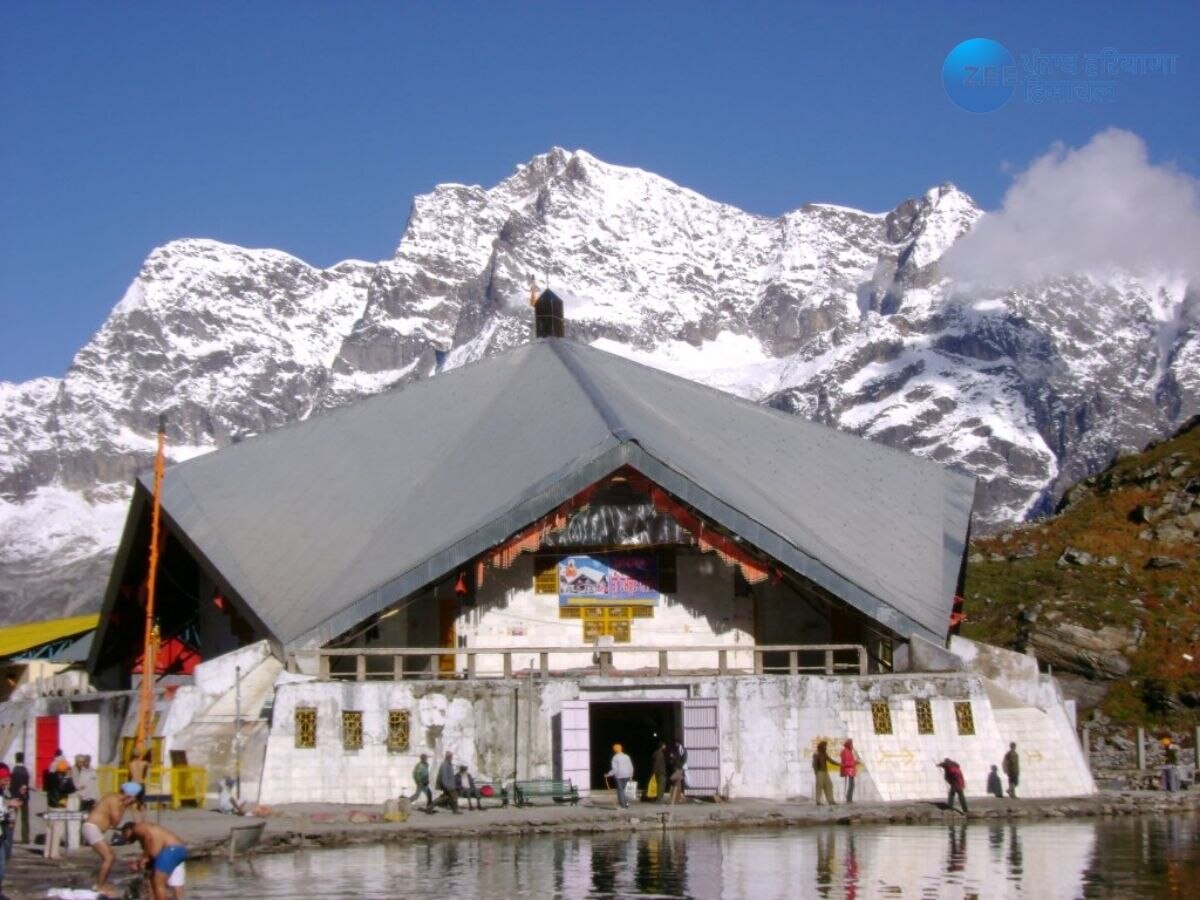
x: 308, y: 826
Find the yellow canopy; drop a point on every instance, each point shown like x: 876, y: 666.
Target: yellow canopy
x: 15, y: 638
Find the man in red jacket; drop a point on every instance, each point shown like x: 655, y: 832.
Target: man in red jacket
x: 954, y: 777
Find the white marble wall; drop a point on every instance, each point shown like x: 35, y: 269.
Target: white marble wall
x: 703, y: 611
x: 769, y: 727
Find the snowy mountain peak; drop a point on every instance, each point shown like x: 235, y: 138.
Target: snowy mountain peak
x: 828, y: 312
x: 945, y: 214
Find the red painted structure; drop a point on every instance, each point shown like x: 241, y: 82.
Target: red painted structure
x: 46, y: 742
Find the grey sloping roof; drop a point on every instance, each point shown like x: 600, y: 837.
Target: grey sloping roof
x: 321, y: 523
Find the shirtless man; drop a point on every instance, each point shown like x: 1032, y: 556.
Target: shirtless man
x: 139, y: 767
x: 164, y: 854
x: 106, y: 814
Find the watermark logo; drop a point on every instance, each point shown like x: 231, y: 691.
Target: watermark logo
x: 980, y: 75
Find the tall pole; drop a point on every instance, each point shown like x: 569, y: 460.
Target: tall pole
x: 237, y: 728
x: 150, y: 642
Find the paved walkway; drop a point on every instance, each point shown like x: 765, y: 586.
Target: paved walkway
x: 327, y: 825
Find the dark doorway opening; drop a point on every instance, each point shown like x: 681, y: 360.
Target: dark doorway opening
x: 637, y: 726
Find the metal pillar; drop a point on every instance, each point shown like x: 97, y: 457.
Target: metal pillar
x: 1141, y: 748
x: 1195, y: 752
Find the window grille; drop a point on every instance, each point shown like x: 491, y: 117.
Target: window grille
x: 352, y: 733
x: 881, y: 717
x: 964, y: 717
x: 306, y: 728
x: 397, y: 736
x: 924, y: 717
x: 616, y: 621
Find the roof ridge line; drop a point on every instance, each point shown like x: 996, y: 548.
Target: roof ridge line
x: 612, y: 419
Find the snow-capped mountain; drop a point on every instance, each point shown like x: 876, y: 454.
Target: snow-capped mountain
x: 831, y: 313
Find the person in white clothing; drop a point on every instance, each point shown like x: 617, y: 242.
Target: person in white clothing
x: 621, y: 772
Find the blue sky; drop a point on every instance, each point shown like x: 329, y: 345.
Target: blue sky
x: 309, y: 126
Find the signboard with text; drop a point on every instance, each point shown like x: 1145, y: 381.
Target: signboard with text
x: 626, y: 578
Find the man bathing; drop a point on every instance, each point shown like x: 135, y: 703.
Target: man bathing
x: 106, y: 814
x: 163, y: 856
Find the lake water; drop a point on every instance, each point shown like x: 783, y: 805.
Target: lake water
x: 1126, y: 858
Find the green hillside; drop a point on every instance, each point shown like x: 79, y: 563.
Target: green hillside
x: 1108, y: 590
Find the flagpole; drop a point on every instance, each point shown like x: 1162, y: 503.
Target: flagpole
x: 150, y: 642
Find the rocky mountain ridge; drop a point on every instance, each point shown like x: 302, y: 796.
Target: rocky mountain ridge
x: 1106, y: 592
x: 831, y: 313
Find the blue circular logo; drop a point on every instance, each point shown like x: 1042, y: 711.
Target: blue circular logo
x: 979, y: 75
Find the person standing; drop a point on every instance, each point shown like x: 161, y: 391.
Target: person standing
x: 420, y: 775
x: 621, y: 772
x: 849, y: 768
x: 678, y: 771
x: 820, y: 765
x: 59, y: 786
x: 139, y: 769
x: 1170, y: 770
x: 20, y: 791
x: 447, y: 784
x: 954, y: 778
x: 86, y: 781
x: 658, y: 765
x: 1012, y: 769
x: 7, y: 824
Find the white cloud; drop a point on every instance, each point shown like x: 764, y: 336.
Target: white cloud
x: 1095, y: 209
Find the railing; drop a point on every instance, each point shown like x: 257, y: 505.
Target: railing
x: 184, y: 784
x: 400, y: 663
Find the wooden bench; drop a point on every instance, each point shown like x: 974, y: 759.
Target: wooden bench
x: 560, y: 791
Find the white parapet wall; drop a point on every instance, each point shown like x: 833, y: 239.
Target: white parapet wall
x: 769, y: 726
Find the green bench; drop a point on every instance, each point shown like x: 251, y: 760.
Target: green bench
x: 559, y: 791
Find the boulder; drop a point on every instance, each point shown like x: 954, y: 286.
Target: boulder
x: 1076, y: 648
x: 1073, y: 557
x: 1164, y: 562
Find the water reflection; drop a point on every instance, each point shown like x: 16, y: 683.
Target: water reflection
x: 1139, y: 857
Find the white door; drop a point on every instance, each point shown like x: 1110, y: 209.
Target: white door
x: 701, y: 737
x: 79, y: 733
x: 576, y: 750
